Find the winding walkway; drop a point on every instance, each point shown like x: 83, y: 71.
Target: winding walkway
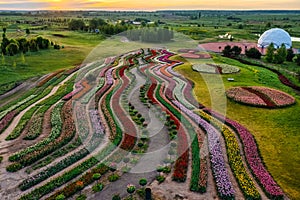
x: 156, y: 153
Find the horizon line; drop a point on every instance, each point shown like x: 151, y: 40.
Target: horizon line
x: 156, y: 10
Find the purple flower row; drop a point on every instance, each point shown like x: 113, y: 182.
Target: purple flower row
x: 253, y: 158
x: 78, y: 87
x: 96, y: 122
x: 109, y: 77
x: 224, y: 185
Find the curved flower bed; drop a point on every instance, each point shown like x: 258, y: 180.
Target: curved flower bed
x: 49, y: 77
x: 6, y: 120
x: 13, y: 107
x: 224, y: 185
x: 278, y: 97
x: 96, y: 122
x: 66, y: 162
x: 35, y: 127
x: 78, y: 87
x: 241, y: 95
x: 67, y: 133
x: 260, y: 97
x: 233, y: 151
x: 81, y: 120
x: 253, y: 158
x: 215, y: 68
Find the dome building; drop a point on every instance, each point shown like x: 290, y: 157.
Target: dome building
x: 276, y: 36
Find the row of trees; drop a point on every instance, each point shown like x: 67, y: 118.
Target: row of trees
x: 150, y: 35
x: 273, y: 55
x: 278, y: 56
x: 22, y: 45
x: 229, y: 51
x: 98, y: 25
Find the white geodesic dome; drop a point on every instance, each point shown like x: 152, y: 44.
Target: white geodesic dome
x: 276, y: 36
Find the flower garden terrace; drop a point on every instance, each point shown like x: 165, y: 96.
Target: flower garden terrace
x: 87, y: 139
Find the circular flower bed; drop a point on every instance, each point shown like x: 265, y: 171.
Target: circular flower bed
x: 215, y: 68
x: 260, y: 96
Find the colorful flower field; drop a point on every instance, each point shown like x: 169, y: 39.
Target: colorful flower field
x: 260, y: 97
x: 85, y: 130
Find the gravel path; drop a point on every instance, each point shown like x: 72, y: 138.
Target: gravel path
x: 157, y: 151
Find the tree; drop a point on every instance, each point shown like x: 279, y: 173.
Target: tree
x: 280, y: 55
x: 290, y: 55
x: 12, y: 49
x: 96, y: 23
x: 4, y: 44
x: 76, y: 25
x: 227, y: 51
x: 27, y: 31
x: 42, y: 43
x: 270, y: 53
x: 236, y: 50
x: 23, y: 45
x: 253, y: 53
x: 33, y: 47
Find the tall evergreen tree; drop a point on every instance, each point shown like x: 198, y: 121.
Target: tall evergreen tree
x: 280, y: 55
x: 290, y: 55
x: 270, y: 53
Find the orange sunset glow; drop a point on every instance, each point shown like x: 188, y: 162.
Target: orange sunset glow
x: 149, y: 5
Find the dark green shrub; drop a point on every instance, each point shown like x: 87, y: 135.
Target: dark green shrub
x: 96, y: 176
x: 116, y: 197
x: 160, y: 179
x: 98, y: 187
x: 113, y: 177
x: 253, y: 53
x: 14, y: 167
x: 143, y: 182
x: 81, y: 197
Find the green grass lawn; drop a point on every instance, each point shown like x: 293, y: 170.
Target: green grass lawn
x: 76, y: 48
x: 276, y: 130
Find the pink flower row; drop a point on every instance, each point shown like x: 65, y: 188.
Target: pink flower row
x: 243, y: 96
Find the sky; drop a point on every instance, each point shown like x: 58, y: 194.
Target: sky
x: 150, y: 5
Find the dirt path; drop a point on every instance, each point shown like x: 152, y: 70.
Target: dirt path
x: 17, y: 91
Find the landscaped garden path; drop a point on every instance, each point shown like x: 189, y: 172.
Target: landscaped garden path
x: 149, y: 161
